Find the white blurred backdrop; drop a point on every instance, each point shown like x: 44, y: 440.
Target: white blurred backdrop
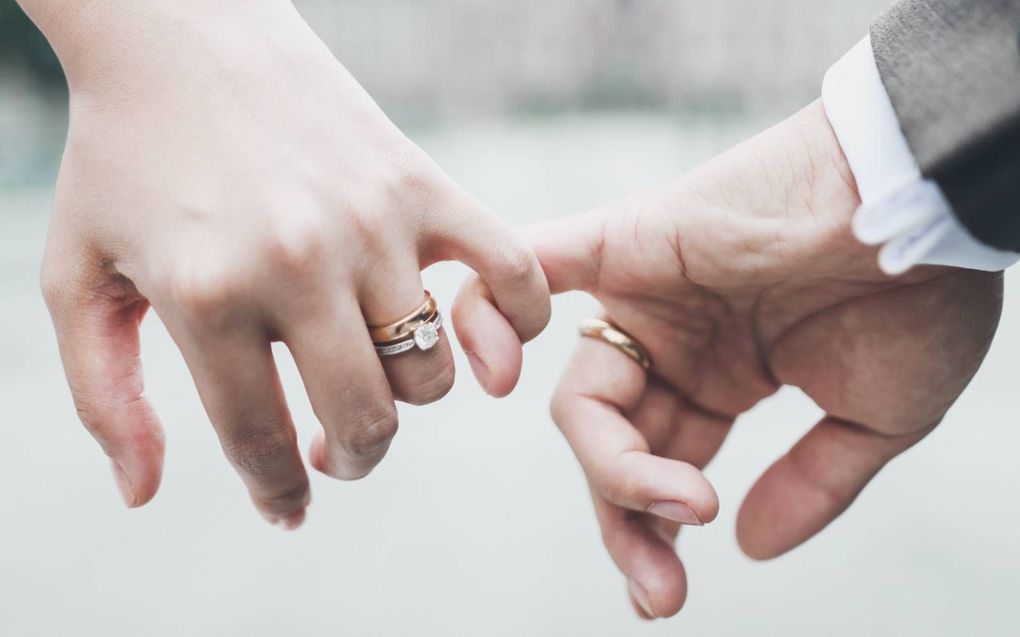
x: 478, y: 522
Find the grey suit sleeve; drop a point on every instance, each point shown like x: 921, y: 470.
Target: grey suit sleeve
x: 952, y: 71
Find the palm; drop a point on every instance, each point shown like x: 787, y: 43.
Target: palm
x: 723, y: 346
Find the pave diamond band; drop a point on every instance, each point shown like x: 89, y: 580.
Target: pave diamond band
x: 424, y: 337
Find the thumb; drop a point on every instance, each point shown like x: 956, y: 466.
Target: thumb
x: 570, y: 250
x: 813, y: 484
x: 97, y: 330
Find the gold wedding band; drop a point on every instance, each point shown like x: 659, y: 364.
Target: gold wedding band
x: 405, y: 326
x: 418, y: 329
x: 612, y: 335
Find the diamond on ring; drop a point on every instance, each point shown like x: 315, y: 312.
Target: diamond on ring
x: 426, y: 336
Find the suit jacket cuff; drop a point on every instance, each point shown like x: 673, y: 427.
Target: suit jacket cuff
x: 901, y: 210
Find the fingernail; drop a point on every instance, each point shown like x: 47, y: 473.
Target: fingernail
x: 675, y: 511
x: 480, y: 370
x: 640, y: 595
x: 123, y: 484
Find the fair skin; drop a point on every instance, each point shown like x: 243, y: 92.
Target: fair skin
x: 225, y: 170
x: 741, y: 277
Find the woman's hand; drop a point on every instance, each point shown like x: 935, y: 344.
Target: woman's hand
x: 739, y: 278
x: 223, y: 168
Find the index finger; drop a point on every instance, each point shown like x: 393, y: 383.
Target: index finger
x: 602, y: 385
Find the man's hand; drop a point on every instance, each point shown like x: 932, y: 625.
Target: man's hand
x: 223, y: 168
x: 739, y: 278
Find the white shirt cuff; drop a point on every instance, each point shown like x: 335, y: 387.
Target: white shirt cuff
x: 906, y: 213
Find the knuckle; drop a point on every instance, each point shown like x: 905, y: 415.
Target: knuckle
x: 202, y: 294
x: 411, y: 176
x: 371, y: 228
x: 93, y: 415
x: 92, y: 412
x: 295, y: 245
x: 261, y: 453
x: 615, y: 490
x: 209, y: 296
x: 106, y: 421
x: 373, y: 434
x: 401, y: 195
x: 618, y: 484
x: 516, y: 262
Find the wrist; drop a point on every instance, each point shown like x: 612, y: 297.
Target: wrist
x: 773, y: 204
x: 802, y: 170
x: 807, y: 181
x: 820, y: 198
x: 822, y: 172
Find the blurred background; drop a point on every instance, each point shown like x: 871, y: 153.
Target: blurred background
x: 478, y: 523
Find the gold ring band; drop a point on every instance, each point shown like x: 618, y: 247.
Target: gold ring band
x: 612, y: 335
x: 406, y: 326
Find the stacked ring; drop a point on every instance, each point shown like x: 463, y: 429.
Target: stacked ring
x: 612, y: 335
x: 418, y: 329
